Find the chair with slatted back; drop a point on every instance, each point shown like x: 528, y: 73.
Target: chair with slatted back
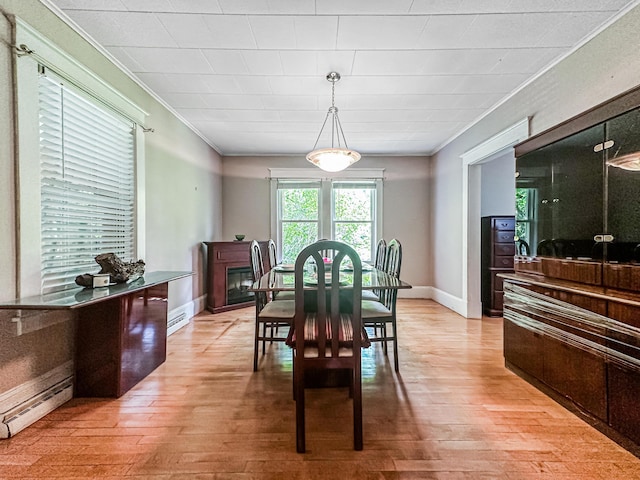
x: 382, y: 314
x: 269, y: 314
x: 324, y: 338
x: 273, y: 253
x: 273, y: 262
x: 381, y: 255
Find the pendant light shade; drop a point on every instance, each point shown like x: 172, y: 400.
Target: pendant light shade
x: 333, y: 159
x: 339, y: 156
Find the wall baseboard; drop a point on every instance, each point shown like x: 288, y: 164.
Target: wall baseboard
x: 25, y: 404
x: 456, y: 304
x: 415, y: 292
x: 445, y: 299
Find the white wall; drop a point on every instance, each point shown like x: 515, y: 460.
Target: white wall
x: 498, y: 186
x: 604, y: 67
x: 406, y: 192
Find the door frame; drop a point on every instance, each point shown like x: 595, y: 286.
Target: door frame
x: 486, y: 151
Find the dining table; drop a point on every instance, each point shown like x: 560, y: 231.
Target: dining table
x: 281, y: 278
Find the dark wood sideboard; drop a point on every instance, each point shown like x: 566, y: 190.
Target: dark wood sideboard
x: 582, y: 343
x: 229, y: 274
x: 572, y: 307
x: 120, y: 331
x: 497, y: 250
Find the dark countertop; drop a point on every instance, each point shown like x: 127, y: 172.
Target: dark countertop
x: 79, y: 297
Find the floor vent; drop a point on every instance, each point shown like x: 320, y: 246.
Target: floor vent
x: 35, y: 408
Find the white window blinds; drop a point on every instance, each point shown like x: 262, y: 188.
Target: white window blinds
x: 87, y: 160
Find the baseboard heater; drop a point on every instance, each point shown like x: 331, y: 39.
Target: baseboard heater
x: 36, y: 407
x: 179, y: 317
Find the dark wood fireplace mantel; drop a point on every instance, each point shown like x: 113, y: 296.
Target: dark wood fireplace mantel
x: 224, y: 258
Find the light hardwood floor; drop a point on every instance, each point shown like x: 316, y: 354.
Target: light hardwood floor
x: 454, y: 412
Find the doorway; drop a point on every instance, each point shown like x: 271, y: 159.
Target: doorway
x: 499, y: 146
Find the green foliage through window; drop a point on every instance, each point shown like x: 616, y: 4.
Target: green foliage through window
x: 299, y: 203
x: 299, y: 220
x: 353, y: 217
x: 350, y: 218
x: 524, y: 199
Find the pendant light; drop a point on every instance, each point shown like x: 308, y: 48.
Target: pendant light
x: 339, y: 156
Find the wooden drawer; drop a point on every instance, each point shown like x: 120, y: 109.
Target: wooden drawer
x: 573, y: 270
x: 504, y: 249
x: 523, y: 349
x: 626, y: 277
x: 504, y: 224
x: 577, y: 375
x: 527, y: 264
x: 504, y: 236
x: 503, y: 261
x: 232, y: 253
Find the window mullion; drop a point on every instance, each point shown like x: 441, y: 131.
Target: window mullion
x: 326, y: 210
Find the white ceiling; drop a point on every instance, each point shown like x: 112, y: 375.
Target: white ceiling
x: 249, y: 75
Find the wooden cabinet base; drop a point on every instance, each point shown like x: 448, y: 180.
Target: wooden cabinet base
x: 624, y: 440
x: 624, y: 401
x: 579, y: 346
x: 225, y: 259
x: 120, y: 341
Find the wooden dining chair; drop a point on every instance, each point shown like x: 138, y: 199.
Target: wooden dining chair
x: 330, y: 336
x: 270, y: 315
x: 273, y: 253
x: 381, y: 315
x: 379, y: 262
x: 273, y: 263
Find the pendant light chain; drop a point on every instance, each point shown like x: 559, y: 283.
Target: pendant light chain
x: 333, y: 93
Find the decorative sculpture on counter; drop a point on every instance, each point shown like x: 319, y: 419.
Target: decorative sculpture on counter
x: 119, y: 271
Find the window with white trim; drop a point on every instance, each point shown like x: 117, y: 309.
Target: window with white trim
x: 353, y: 215
x: 298, y: 217
x: 344, y: 210
x: 87, y: 184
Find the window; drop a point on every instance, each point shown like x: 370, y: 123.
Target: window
x: 80, y: 170
x: 299, y: 215
x: 354, y: 216
x: 525, y: 214
x: 87, y: 183
x: 344, y: 210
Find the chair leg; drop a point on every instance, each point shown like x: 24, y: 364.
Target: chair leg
x: 383, y: 328
x: 255, y: 346
x: 357, y: 409
x: 300, y: 421
x: 264, y: 336
x: 351, y: 382
x: 395, y: 345
x: 293, y: 383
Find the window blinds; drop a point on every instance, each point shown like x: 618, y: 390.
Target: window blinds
x: 87, y: 184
